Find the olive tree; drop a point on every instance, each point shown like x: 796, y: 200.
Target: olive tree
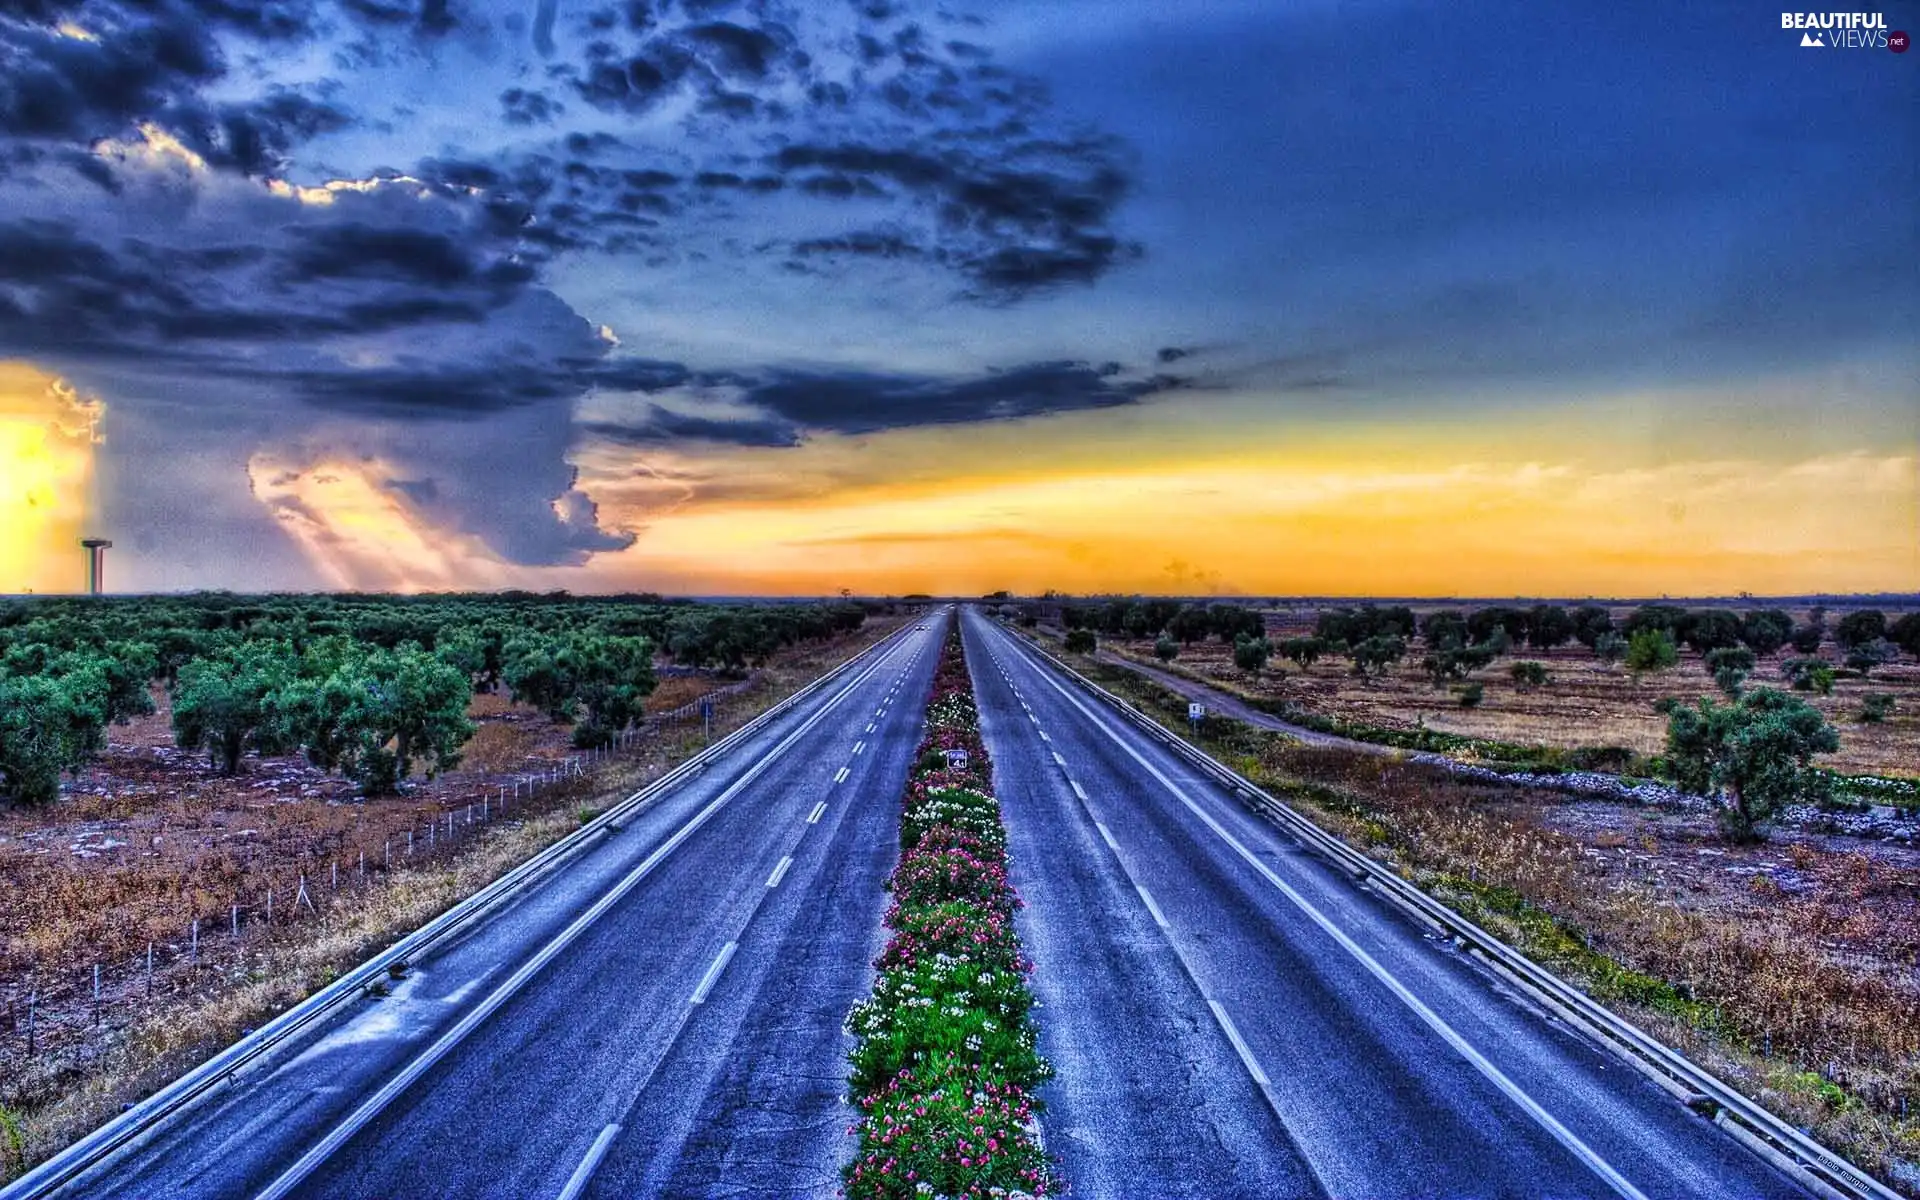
x: 224, y: 704
x: 1753, y: 754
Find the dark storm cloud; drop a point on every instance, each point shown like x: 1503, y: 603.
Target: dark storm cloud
x: 855, y: 402
x: 658, y: 426
x: 522, y: 107
x: 401, y: 312
x: 150, y: 61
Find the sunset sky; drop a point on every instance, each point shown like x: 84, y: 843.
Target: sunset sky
x: 1236, y: 296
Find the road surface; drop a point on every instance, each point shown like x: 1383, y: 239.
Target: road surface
x: 686, y: 1042
x: 1231, y: 1016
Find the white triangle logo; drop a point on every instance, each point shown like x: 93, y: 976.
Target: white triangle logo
x: 1807, y: 39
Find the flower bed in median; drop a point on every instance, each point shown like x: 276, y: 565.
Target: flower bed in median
x: 946, y: 1064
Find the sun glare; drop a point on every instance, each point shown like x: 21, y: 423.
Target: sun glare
x: 47, y: 435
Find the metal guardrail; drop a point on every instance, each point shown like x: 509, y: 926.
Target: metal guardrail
x: 1744, y: 1118
x: 253, y: 1050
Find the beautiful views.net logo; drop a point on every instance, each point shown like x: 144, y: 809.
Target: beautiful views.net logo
x: 1844, y: 30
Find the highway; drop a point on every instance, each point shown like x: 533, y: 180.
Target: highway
x: 1230, y: 1015
x: 661, y: 1018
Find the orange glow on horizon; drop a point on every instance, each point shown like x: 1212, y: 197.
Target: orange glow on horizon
x: 47, y: 435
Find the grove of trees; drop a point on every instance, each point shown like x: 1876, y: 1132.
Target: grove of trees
x: 373, y: 687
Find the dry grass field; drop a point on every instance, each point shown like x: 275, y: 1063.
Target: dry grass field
x: 150, y: 838
x: 1585, y: 703
x: 1791, y: 966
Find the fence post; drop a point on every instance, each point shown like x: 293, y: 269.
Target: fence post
x: 336, y: 874
x: 236, y: 921
x: 96, y: 993
x: 269, y: 906
x: 149, y: 970
x: 196, y: 941
x: 33, y: 1004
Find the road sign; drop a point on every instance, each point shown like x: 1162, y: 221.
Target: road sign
x: 1196, y: 712
x: 957, y: 759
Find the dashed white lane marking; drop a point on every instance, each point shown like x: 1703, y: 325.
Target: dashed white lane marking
x: 859, y: 746
x: 713, y: 973
x: 869, y: 727
x: 1058, y: 760
x: 813, y: 818
x: 1106, y: 835
x: 1239, y: 1045
x: 1044, y: 737
x: 780, y: 872
x: 1433, y: 1020
x: 1082, y: 793
x: 577, y: 1183
x: 1159, y: 918
x: 840, y: 776
x: 1034, y: 719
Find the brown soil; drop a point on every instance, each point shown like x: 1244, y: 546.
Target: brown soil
x: 151, y: 838
x: 1584, y: 702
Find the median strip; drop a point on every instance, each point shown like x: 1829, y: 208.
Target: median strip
x: 946, y: 1061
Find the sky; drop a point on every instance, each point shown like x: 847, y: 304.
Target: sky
x: 732, y: 297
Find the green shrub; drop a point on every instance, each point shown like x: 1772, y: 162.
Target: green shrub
x: 1081, y: 641
x: 1609, y: 647
x: 1651, y: 650
x: 1529, y: 674
x: 947, y: 1128
x: 1875, y: 707
x: 1470, y: 695
x: 945, y: 1007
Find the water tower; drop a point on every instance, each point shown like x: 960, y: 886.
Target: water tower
x: 96, y: 563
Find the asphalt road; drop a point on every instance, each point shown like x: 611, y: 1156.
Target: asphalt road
x: 1230, y: 1016
x: 686, y: 1041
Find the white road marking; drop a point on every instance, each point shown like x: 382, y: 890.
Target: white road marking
x: 840, y: 776
x: 1159, y: 918
x: 1044, y: 737
x: 370, y: 1108
x: 1106, y: 835
x: 1034, y: 719
x: 780, y: 872
x: 1433, y: 1020
x: 859, y: 746
x: 869, y: 726
x: 1058, y: 760
x: 1239, y: 1045
x: 577, y: 1184
x: 713, y: 973
x: 813, y: 818
x: 1077, y: 789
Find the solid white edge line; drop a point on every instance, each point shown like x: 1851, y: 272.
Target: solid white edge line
x: 1433, y: 1020
x: 813, y: 818
x: 1239, y: 1044
x: 1159, y: 918
x: 370, y: 1108
x: 577, y: 1183
x: 780, y: 872
x: 1106, y: 835
x: 713, y: 973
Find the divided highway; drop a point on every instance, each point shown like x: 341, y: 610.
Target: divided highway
x: 1231, y: 1016
x: 660, y: 1018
